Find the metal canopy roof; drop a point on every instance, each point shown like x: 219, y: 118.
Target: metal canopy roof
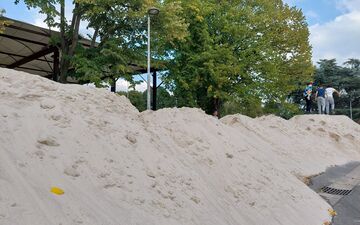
x: 26, y: 47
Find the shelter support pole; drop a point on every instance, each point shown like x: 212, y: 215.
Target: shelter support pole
x: 56, y: 68
x: 113, y: 85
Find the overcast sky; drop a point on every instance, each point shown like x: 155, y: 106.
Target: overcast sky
x: 334, y: 25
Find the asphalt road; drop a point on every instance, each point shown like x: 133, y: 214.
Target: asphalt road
x: 342, y: 191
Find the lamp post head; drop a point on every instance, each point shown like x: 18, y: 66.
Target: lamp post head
x: 153, y: 11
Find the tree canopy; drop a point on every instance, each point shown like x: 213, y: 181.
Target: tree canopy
x: 346, y: 78
x: 2, y: 25
x: 120, y: 27
x: 242, y: 56
x: 252, y: 53
x: 138, y: 99
x: 3, y: 22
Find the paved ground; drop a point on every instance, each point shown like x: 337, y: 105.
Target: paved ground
x: 340, y: 181
x: 348, y: 209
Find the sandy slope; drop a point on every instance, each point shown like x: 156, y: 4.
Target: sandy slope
x: 305, y: 144
x: 174, y: 166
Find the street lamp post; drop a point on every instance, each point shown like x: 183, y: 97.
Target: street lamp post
x: 151, y: 11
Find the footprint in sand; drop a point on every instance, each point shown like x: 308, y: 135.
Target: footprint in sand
x: 40, y: 154
x: 350, y: 136
x: 334, y: 136
x: 48, y: 140
x: 195, y: 199
x: 47, y: 104
x: 131, y: 138
x: 71, y: 171
x: 321, y: 129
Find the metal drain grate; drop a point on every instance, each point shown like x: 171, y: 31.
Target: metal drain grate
x: 334, y: 191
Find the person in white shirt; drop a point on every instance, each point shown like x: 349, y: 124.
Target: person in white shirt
x: 329, y: 99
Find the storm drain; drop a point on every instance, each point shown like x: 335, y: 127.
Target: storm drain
x: 335, y: 191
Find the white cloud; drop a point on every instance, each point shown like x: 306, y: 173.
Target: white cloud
x: 38, y: 19
x: 338, y: 38
x: 141, y: 87
x: 348, y: 5
x: 312, y: 14
x: 123, y: 85
x: 292, y: 2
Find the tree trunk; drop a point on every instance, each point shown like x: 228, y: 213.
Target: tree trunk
x: 68, y: 46
x: 216, y: 105
x: 93, y: 40
x: 63, y: 41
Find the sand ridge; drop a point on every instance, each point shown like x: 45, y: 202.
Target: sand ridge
x: 172, y: 166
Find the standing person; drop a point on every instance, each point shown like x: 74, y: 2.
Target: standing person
x: 320, y: 98
x: 307, y: 96
x: 329, y: 99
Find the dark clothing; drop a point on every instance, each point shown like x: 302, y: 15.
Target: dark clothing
x: 321, y: 92
x: 307, y: 95
x: 308, y: 104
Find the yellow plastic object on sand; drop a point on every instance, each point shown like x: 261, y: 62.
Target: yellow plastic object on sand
x: 332, y: 212
x: 57, y: 191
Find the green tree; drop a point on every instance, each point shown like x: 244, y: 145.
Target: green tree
x: 342, y: 78
x: 354, y: 66
x: 3, y: 22
x: 69, y: 31
x: 327, y: 71
x: 138, y: 99
x: 250, y: 52
x: 353, y: 63
x: 119, y: 25
x: 164, y: 99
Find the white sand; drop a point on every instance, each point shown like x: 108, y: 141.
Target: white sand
x: 174, y: 166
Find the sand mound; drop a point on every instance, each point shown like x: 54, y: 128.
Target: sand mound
x: 173, y: 166
x: 306, y: 144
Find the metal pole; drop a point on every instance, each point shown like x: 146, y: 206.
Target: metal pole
x: 113, y: 85
x: 148, y: 67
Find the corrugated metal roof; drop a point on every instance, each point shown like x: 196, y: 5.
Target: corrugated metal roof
x: 21, y: 41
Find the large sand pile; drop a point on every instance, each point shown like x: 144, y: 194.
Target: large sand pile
x: 174, y: 166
